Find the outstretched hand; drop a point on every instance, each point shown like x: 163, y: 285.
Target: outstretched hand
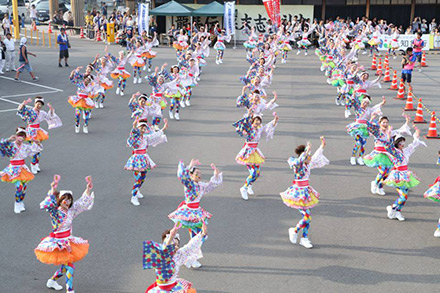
x: 323, y: 143
x: 89, y: 184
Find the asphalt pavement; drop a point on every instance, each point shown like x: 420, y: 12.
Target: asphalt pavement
x: 357, y: 248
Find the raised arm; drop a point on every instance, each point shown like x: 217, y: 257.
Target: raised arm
x: 85, y: 202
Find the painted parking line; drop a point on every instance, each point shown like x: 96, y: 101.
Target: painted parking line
x: 34, y: 84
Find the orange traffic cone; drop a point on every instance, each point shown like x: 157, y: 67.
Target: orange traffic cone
x: 387, y: 77
x: 386, y: 62
x: 423, y: 63
x: 81, y: 35
x: 373, y: 63
x: 34, y: 26
x: 432, y: 131
x: 379, y: 68
x: 401, y: 91
x: 419, y: 114
x: 409, y: 102
x: 394, y: 82
x: 49, y: 30
x: 98, y: 36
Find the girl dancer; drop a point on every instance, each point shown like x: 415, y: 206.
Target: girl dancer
x: 374, y: 42
x: 250, y: 155
x: 394, y: 43
x: 137, y: 62
x: 61, y: 247
x: 358, y: 129
x: 174, y: 91
x: 189, y: 214
x: 380, y: 157
x: 433, y: 193
x: 285, y: 45
x: 143, y: 107
x: 141, y: 137
x: 251, y: 43
x: 400, y: 177
x: 17, y: 173
x: 81, y: 101
x: 219, y: 46
x: 167, y: 258
x: 181, y: 44
x: 192, y: 72
x: 158, y: 88
x: 301, y: 195
x: 120, y: 73
x: 304, y: 42
x: 103, y: 67
x: 149, y: 54
x: 34, y: 117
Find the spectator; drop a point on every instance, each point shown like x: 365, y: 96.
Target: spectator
x: 24, y: 61
x: 170, y: 34
x: 97, y: 20
x: 416, y: 25
x: 432, y: 25
x: 33, y: 15
x: 10, y: 53
x: 68, y: 18
x: 436, y: 38
x: 153, y: 26
x: 63, y: 41
x: 2, y: 55
x: 104, y: 9
x: 424, y: 27
x: 6, y: 24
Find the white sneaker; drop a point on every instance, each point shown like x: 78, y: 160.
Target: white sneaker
x: 216, y: 62
x: 149, y: 69
x: 336, y: 101
x: 391, y: 213
x: 380, y: 191
x: 437, y: 233
x: 420, y: 70
x: 122, y: 93
x: 17, y: 208
x: 33, y: 170
x: 400, y: 217
x: 84, y: 116
x: 305, y: 242
x: 171, y: 114
x: 347, y: 113
x: 52, y: 284
x: 394, y: 57
x: 297, y: 53
x: 365, y: 52
x: 22, y: 207
x: 76, y: 129
x: 249, y: 190
x: 244, y: 194
x: 353, y: 161
x: 139, y: 79
x: 196, y: 265
x: 342, y: 103
x: 293, y: 237
x: 187, y: 103
x: 85, y: 129
x: 96, y: 104
x: 177, y: 116
x: 373, y: 187
x: 135, y: 201
x: 118, y: 90
x: 135, y: 80
x: 101, y: 105
x: 182, y: 104
x: 145, y: 67
x: 139, y: 195
x: 198, y: 78
x: 305, y: 53
x: 360, y: 161
x: 37, y: 167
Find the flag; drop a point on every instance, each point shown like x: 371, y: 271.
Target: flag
x: 229, y: 18
x: 273, y: 10
x: 143, y: 18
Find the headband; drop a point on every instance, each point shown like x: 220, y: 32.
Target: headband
x: 63, y: 192
x: 41, y: 100
x: 20, y: 129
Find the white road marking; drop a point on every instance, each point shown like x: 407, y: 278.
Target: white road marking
x: 29, y: 94
x: 34, y: 84
x: 9, y: 101
x: 9, y: 110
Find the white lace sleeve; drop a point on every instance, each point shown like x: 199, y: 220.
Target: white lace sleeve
x: 53, y: 121
x: 213, y: 183
x: 190, y: 252
x: 318, y: 159
x: 84, y: 203
x: 156, y: 138
x: 405, y: 129
x: 409, y: 150
x: 269, y: 129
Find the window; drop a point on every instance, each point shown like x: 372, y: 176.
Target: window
x: 356, y: 2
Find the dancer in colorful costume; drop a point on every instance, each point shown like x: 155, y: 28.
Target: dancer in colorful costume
x: 301, y: 195
x: 433, y: 193
x: 219, y: 46
x: 120, y: 73
x: 61, y: 247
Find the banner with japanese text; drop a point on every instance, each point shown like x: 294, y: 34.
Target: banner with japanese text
x: 229, y: 18
x: 404, y: 41
x: 143, y: 19
x: 273, y: 10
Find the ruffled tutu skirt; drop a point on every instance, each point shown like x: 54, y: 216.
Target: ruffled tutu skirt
x: 376, y: 159
x: 14, y: 174
x: 120, y: 73
x: 36, y: 134
x: 61, y: 251
x: 433, y: 193
x: 219, y: 46
x: 355, y: 129
x: 402, y: 179
x: 374, y: 42
x: 180, y: 46
x: 359, y: 45
x: 81, y: 103
x: 139, y: 162
x: 137, y: 62
x: 250, y: 156
x: 250, y: 45
x: 285, y: 47
x: 304, y: 43
x: 300, y: 198
x: 190, y: 218
x: 394, y: 45
x: 182, y: 286
x: 149, y: 54
x: 106, y: 83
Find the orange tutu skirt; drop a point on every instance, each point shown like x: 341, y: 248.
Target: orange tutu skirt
x: 138, y: 64
x: 41, y: 136
x: 148, y: 55
x: 25, y: 176
x: 80, y: 104
x: 179, y: 47
x: 59, y: 257
x: 106, y: 86
x: 124, y: 75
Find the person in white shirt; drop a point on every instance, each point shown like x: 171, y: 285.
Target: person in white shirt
x: 33, y: 14
x: 10, y: 53
x: 6, y: 25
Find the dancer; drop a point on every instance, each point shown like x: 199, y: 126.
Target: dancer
x: 304, y: 42
x: 167, y: 258
x: 137, y: 62
x: 301, y: 195
x: 380, y: 157
x: 358, y: 129
x: 400, y: 177
x: 81, y: 101
x: 251, y: 43
x: 189, y: 214
x: 141, y: 137
x: 17, y: 150
x: 103, y: 67
x: 148, y: 53
x: 34, y: 117
x: 143, y: 107
x: 192, y: 72
x: 174, y: 91
x: 433, y: 193
x: 250, y: 155
x: 219, y: 46
x: 418, y: 45
x: 394, y: 42
x: 181, y: 44
x: 158, y: 87
x: 120, y: 72
x: 61, y: 247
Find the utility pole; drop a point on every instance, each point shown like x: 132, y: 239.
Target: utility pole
x: 53, y: 8
x: 15, y: 19
x: 78, y: 12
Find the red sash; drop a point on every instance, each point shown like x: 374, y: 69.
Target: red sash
x: 362, y: 121
x: 301, y: 183
x: 83, y: 96
x: 34, y: 125
x: 362, y: 91
x: 350, y: 82
x: 380, y: 149
x: 401, y: 168
x: 251, y: 144
x: 193, y: 205
x: 17, y: 162
x: 60, y: 235
x: 139, y: 152
x: 121, y: 68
